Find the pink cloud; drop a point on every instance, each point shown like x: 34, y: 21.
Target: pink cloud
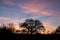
x: 11, y: 20
x: 35, y: 8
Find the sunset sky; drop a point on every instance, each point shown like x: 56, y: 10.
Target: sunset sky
x: 48, y: 11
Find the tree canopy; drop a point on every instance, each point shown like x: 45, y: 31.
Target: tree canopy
x: 33, y: 25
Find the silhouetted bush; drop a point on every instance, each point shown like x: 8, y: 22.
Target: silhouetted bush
x: 5, y: 31
x: 57, y: 30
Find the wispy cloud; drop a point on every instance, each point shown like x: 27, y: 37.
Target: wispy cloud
x: 40, y: 7
x: 35, y: 8
x: 15, y: 20
x: 11, y: 20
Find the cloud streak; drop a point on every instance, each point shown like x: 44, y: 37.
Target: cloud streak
x: 11, y: 20
x: 15, y: 20
x: 39, y: 7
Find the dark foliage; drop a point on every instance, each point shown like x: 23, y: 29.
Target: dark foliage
x: 33, y: 25
x: 5, y: 31
x: 57, y: 30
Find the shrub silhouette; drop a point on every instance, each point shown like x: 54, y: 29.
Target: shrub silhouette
x: 5, y: 31
x: 57, y: 30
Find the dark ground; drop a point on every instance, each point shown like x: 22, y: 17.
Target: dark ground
x: 28, y: 36
x: 8, y: 35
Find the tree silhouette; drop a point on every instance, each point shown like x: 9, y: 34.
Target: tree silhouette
x: 57, y: 30
x: 33, y: 25
x: 7, y: 27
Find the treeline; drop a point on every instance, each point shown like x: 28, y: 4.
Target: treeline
x: 6, y: 34
x: 30, y: 26
x: 30, y: 31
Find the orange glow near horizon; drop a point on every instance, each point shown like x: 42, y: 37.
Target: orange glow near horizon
x: 48, y: 30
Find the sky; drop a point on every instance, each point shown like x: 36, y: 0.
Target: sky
x: 47, y: 11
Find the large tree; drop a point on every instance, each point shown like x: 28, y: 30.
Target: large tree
x: 33, y: 25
